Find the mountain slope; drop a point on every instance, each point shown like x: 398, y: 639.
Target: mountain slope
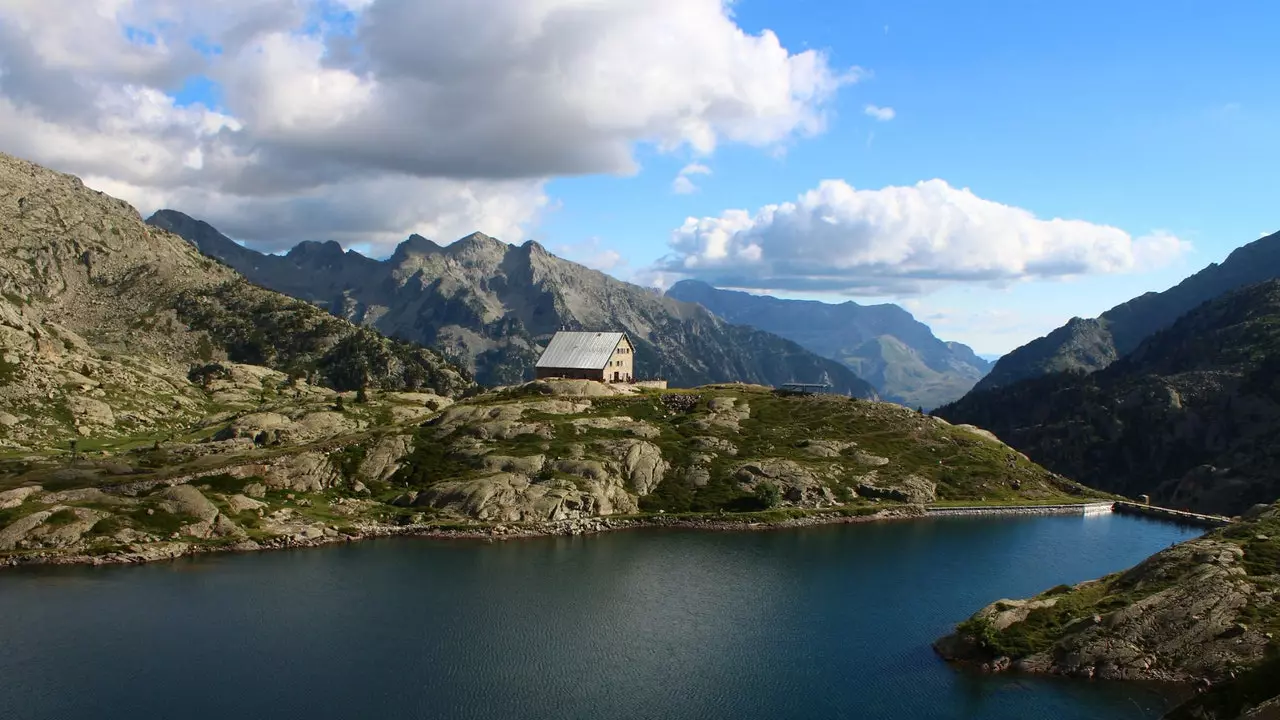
x: 110, y: 327
x: 1189, y: 417
x: 883, y: 344
x: 491, y: 306
x: 1090, y: 345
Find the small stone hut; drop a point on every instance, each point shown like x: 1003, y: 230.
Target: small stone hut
x: 602, y: 356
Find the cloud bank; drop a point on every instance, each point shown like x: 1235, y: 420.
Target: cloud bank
x: 363, y: 120
x: 901, y: 241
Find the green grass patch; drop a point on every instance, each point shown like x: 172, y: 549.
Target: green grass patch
x: 65, y: 516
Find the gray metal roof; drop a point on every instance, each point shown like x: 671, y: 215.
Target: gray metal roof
x: 580, y: 350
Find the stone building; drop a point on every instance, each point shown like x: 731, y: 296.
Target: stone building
x: 603, y: 356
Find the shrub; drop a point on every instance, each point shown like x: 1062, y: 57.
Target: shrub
x: 768, y: 495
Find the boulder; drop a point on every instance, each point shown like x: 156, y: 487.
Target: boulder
x: 16, y: 531
x: 644, y: 467
x: 797, y: 484
x: 15, y: 497
x: 912, y: 489
x: 239, y: 503
x: 185, y: 500
x: 382, y: 458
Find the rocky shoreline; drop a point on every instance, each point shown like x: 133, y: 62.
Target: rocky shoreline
x: 1205, y: 612
x: 156, y: 552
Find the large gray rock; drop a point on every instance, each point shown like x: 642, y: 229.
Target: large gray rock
x: 912, y: 489
x: 16, y: 531
x: 798, y: 484
x: 185, y: 500
x: 239, y: 503
x: 510, y: 497
x: 644, y: 467
x: 13, y: 498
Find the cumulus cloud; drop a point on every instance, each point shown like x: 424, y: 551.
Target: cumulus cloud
x: 883, y: 114
x: 682, y: 185
x: 901, y: 241
x: 434, y: 101
x: 593, y: 254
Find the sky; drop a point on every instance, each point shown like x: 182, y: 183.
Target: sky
x: 995, y: 167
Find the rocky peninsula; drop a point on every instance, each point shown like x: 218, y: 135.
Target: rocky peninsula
x: 1203, y: 612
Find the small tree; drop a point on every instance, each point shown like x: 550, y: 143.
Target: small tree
x: 73, y: 443
x: 338, y: 405
x: 361, y: 396
x: 768, y: 495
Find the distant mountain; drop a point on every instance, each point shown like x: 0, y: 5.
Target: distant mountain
x: 883, y: 344
x: 1088, y: 345
x: 491, y: 306
x: 1189, y: 417
x: 111, y: 328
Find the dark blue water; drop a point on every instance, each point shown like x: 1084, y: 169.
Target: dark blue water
x: 831, y: 622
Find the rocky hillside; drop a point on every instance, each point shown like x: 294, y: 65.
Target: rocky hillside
x: 1088, y: 345
x: 1205, y: 611
x: 306, y: 467
x: 491, y: 307
x: 883, y: 344
x: 111, y: 328
x: 1189, y: 417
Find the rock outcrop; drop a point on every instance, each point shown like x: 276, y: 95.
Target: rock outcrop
x: 1205, y: 611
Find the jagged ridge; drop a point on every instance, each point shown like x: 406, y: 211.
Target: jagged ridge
x: 491, y: 306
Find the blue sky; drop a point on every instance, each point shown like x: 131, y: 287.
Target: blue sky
x: 1151, y: 123
x: 1137, y: 115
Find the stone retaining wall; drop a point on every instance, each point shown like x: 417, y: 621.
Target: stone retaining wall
x: 1181, y: 516
x: 1070, y: 509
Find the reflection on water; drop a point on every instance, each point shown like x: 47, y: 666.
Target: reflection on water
x: 817, y: 622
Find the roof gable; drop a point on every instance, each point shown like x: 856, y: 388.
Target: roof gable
x: 580, y: 350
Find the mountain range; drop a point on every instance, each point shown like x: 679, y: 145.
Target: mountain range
x: 1092, y: 344
x: 883, y: 344
x: 490, y: 307
x: 1188, y: 417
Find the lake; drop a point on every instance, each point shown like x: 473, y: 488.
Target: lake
x: 819, y: 622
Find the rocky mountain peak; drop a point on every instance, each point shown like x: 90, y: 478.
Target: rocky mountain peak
x: 329, y: 249
x: 415, y: 244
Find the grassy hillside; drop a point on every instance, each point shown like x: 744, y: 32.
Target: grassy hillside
x: 298, y: 465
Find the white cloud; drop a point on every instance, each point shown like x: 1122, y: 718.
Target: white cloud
x: 883, y: 114
x: 901, y: 241
x: 682, y: 185
x: 484, y: 100
x: 593, y: 254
